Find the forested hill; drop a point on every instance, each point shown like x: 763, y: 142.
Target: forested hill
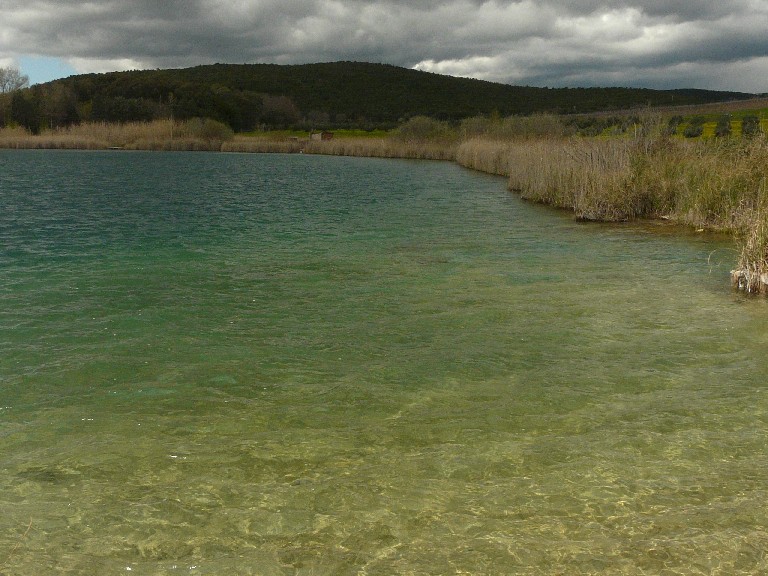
x: 329, y: 94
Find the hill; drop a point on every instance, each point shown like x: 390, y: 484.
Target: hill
x: 339, y: 94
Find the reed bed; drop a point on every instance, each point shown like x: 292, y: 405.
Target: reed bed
x: 20, y: 138
x: 707, y: 184
x: 583, y: 175
x: 718, y: 185
x: 364, y: 147
x: 384, y: 148
x: 751, y: 274
x: 258, y: 145
x: 195, y: 134
x: 493, y: 156
x: 208, y: 135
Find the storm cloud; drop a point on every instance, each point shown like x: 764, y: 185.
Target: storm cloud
x: 650, y: 43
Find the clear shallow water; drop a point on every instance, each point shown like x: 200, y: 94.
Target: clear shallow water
x: 243, y: 364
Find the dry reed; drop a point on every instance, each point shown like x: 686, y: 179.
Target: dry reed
x: 706, y: 184
x: 716, y: 185
x: 584, y: 175
x: 193, y: 134
x: 751, y: 274
x: 365, y: 147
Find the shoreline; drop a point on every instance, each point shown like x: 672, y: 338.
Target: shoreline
x: 700, y: 186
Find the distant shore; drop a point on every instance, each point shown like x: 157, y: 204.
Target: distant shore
x: 713, y: 184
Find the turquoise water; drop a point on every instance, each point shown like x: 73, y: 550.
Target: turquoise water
x: 295, y: 365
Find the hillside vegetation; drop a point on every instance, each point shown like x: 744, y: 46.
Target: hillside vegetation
x: 329, y: 95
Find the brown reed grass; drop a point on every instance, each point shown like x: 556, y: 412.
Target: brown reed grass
x: 751, y: 273
x: 208, y: 135
x: 365, y: 147
x: 195, y: 134
x: 717, y: 185
x: 583, y: 175
x: 706, y: 184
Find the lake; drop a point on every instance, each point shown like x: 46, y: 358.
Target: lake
x: 293, y: 365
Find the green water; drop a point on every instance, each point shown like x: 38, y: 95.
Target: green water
x: 294, y: 365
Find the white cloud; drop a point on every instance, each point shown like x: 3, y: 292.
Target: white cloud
x: 655, y: 43
x: 480, y: 67
x: 91, y: 65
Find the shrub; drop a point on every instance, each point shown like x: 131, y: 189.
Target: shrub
x: 422, y: 128
x: 207, y: 129
x: 723, y: 127
x: 673, y: 124
x: 695, y: 127
x: 750, y: 126
x: 513, y: 127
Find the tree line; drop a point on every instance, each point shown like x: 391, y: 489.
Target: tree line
x: 311, y: 96
x: 57, y: 104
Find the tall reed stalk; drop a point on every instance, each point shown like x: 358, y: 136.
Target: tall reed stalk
x: 706, y: 184
x: 195, y: 134
x: 751, y: 274
x: 366, y: 147
x: 585, y: 175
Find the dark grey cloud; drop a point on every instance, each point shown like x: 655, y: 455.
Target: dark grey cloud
x: 655, y: 43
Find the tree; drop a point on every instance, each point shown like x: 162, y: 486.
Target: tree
x: 279, y: 111
x: 423, y: 128
x: 25, y: 110
x: 11, y: 79
x: 58, y: 105
x: 120, y: 109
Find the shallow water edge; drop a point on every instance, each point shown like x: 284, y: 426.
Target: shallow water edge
x: 293, y: 364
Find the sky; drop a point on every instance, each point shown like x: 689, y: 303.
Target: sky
x: 712, y: 44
